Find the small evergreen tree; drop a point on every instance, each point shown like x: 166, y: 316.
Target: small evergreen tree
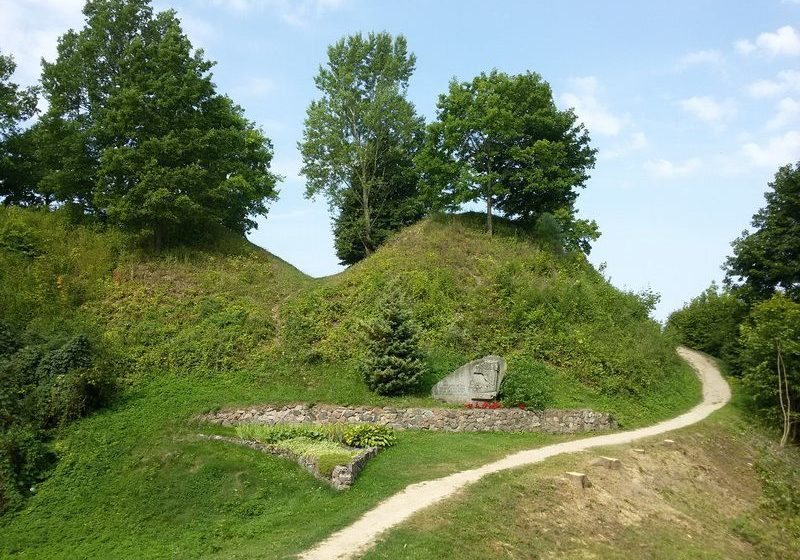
x: 394, y: 363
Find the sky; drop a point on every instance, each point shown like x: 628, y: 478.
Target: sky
x: 692, y: 105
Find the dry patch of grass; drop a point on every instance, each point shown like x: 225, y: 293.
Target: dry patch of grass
x: 701, y: 498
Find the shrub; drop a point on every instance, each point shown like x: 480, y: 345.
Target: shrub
x: 394, y: 364
x: 528, y: 383
x: 23, y: 460
x: 369, y: 435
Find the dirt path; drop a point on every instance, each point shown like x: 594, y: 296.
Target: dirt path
x: 358, y: 537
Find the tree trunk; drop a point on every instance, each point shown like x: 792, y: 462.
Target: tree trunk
x: 367, y: 221
x: 786, y: 403
x: 489, y: 214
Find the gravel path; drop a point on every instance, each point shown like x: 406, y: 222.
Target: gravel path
x: 357, y: 538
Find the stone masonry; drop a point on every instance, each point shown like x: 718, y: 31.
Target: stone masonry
x: 440, y: 419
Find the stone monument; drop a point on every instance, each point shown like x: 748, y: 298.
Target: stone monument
x: 478, y: 380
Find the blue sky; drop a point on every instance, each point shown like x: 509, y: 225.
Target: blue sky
x: 692, y: 104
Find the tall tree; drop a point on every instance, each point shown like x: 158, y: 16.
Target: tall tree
x: 147, y: 141
x: 360, y: 133
x: 501, y: 139
x: 16, y: 105
x: 768, y: 259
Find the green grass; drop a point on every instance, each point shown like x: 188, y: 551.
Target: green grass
x: 132, y: 482
x: 231, y: 325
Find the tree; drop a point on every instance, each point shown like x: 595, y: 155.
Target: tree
x: 403, y: 207
x: 147, y: 141
x: 771, y: 356
x: 359, y: 135
x: 768, y: 259
x: 16, y: 105
x: 394, y: 364
x: 501, y: 139
x: 710, y: 322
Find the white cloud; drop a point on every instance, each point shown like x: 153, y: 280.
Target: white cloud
x: 666, y: 169
x: 787, y: 81
x: 788, y: 113
x: 777, y: 151
x: 594, y: 114
x: 635, y: 142
x: 30, y: 29
x: 708, y: 109
x: 783, y: 42
x: 295, y: 12
x: 700, y: 58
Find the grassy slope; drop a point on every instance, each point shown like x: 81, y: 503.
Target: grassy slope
x: 710, y: 497
x: 199, y: 329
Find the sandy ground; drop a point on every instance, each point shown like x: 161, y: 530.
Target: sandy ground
x: 357, y: 538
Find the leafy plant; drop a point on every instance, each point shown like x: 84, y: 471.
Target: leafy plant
x: 529, y: 383
x: 369, y: 435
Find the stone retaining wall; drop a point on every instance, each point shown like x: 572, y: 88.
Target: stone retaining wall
x: 441, y: 419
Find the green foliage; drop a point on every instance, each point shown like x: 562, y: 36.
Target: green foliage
x: 501, y: 139
x: 369, y: 435
x: 710, y: 322
x: 137, y: 133
x: 773, y: 327
x: 529, y: 382
x: 24, y: 459
x: 768, y: 259
x: 394, y: 364
x: 16, y: 104
x: 359, y: 140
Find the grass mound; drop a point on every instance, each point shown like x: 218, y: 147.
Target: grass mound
x: 198, y: 328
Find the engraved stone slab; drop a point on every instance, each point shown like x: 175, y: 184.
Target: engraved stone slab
x: 478, y: 380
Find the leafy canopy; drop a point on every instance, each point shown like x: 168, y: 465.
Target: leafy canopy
x: 501, y: 139
x: 16, y: 105
x: 768, y: 259
x: 137, y: 133
x: 360, y: 136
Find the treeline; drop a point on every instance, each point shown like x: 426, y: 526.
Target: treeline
x: 136, y: 135
x: 752, y: 322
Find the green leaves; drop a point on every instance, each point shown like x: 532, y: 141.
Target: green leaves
x: 501, y: 139
x: 359, y: 139
x: 768, y: 259
x: 137, y: 133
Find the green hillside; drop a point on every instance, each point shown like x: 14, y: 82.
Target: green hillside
x: 195, y: 329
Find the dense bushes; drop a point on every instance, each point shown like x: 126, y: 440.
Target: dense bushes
x: 43, y: 385
x: 771, y: 362
x: 710, y: 322
x: 529, y: 383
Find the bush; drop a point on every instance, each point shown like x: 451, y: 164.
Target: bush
x: 710, y: 322
x: 394, y: 364
x: 23, y: 460
x: 369, y: 435
x: 528, y: 383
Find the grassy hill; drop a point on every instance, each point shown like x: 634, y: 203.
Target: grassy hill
x: 194, y: 329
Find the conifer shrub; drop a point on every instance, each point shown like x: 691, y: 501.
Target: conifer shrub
x: 394, y: 363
